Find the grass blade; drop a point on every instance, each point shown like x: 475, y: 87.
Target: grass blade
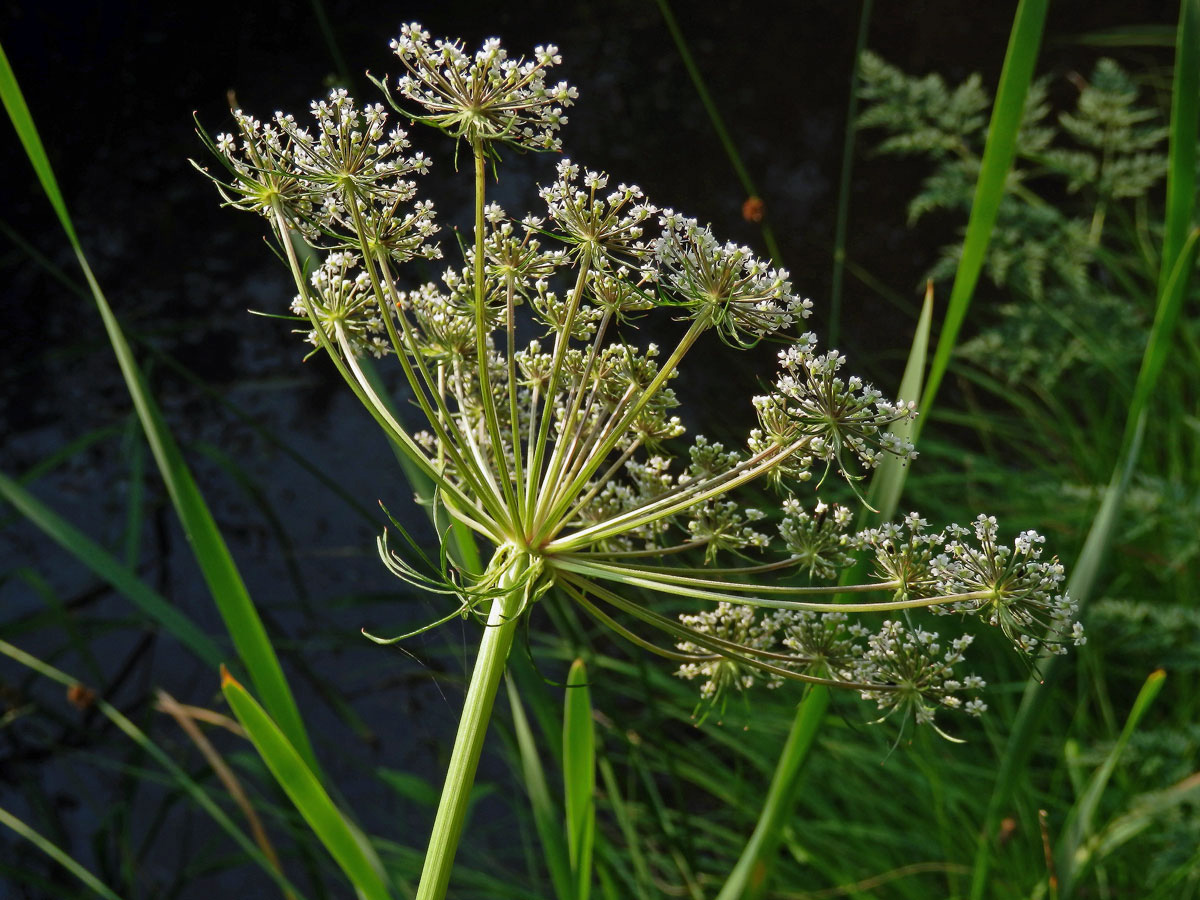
x: 579, y: 777
x: 108, y: 567
x: 216, y: 563
x: 181, y: 778
x: 1079, y: 823
x: 624, y: 814
x: 57, y: 854
x: 304, y: 790
x: 1185, y: 122
x: 887, y: 484
x: 749, y: 878
x: 545, y: 812
x: 998, y: 156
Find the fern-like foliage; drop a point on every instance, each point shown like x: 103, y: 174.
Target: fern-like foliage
x: 1063, y: 266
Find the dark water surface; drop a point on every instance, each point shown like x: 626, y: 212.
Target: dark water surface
x: 112, y: 87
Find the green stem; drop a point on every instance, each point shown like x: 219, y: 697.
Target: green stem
x: 481, y: 335
x: 615, y: 431
x: 472, y: 726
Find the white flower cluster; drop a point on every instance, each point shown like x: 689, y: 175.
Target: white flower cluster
x: 1021, y: 594
x: 828, y: 417
x: 820, y: 542
x: 559, y: 451
x: 342, y: 300
x: 343, y: 189
x: 606, y: 231
x: 732, y: 625
x: 741, y: 296
x: 486, y: 97
x: 919, y: 677
x: 900, y: 668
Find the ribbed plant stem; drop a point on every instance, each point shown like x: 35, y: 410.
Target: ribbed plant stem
x: 472, y: 726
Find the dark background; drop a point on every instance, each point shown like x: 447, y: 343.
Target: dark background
x: 112, y: 87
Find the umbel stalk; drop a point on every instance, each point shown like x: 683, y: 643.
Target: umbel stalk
x: 472, y: 727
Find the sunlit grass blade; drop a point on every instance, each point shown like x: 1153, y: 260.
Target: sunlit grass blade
x: 185, y: 782
x: 998, y: 154
x: 1078, y: 827
x: 56, y: 853
x: 108, y: 567
x: 546, y: 814
x: 216, y: 563
x: 304, y: 789
x: 750, y: 877
x: 887, y: 484
x: 579, y: 777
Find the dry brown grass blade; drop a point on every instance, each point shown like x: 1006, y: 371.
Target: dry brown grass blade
x: 187, y: 717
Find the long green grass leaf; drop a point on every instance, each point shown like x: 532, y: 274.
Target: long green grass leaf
x: 304, y: 790
x: 216, y: 563
x: 108, y: 567
x: 56, y: 853
x: 545, y: 811
x: 998, y: 154
x: 1078, y: 827
x: 887, y: 484
x: 1185, y: 123
x: 579, y: 777
x: 181, y: 779
x: 624, y: 815
x: 749, y: 878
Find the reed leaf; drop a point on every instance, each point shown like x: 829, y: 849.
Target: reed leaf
x: 579, y: 778
x: 545, y: 811
x: 216, y: 563
x: 304, y: 790
x: 998, y: 155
